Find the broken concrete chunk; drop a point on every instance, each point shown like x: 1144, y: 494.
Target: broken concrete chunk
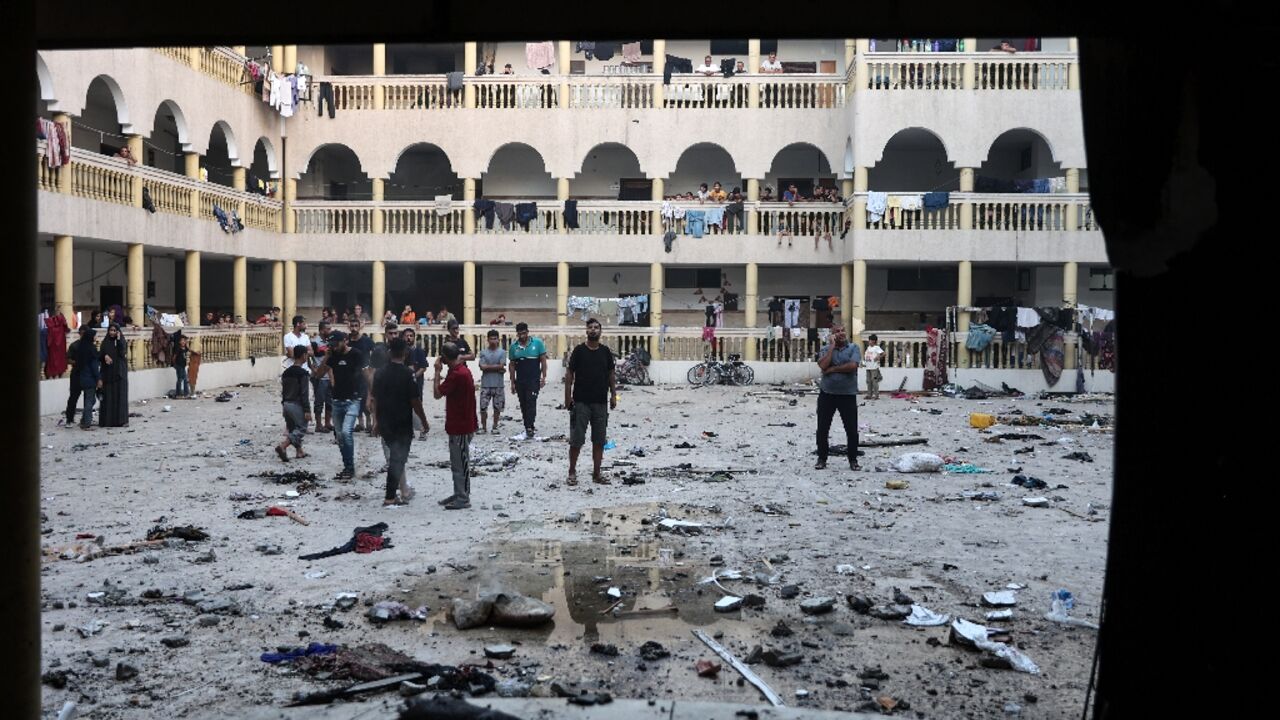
x: 860, y: 604
x: 818, y: 605
x: 786, y: 592
x: 775, y: 658
x: 467, y: 614
x: 125, y: 671
x: 499, y: 652
x: 512, y: 610
x: 1035, y: 501
x: 175, y: 642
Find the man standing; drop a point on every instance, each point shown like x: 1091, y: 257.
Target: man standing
x: 459, y: 392
x: 493, y: 365
x: 415, y: 358
x: 359, y: 341
x: 589, y: 383
x: 394, y: 402
x: 871, y: 361
x: 322, y: 386
x: 838, y: 391
x: 706, y: 68
x: 293, y: 402
x: 464, y: 348
x: 771, y: 65
x: 297, y: 337
x: 344, y: 366
x: 528, y: 369
x: 73, y: 359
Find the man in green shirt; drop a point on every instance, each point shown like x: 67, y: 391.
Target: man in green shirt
x: 528, y: 369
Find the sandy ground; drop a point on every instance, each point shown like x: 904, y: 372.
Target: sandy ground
x: 929, y: 541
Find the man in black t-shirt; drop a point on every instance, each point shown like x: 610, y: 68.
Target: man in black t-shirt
x: 464, y: 348
x: 775, y: 311
x: 295, y: 403
x: 345, y: 366
x: 589, y: 384
x: 393, y: 402
x: 359, y: 341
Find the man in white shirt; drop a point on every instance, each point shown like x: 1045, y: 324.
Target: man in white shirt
x: 707, y: 68
x: 871, y: 361
x: 771, y: 65
x: 297, y: 337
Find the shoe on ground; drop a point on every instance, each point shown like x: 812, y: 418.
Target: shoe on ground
x: 345, y: 475
x: 458, y: 504
x: 447, y: 500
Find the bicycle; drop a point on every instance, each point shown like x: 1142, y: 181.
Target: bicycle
x: 632, y: 370
x: 711, y: 371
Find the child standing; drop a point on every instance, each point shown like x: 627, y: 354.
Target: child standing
x: 295, y: 388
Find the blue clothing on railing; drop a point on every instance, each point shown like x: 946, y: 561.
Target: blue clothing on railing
x: 877, y: 202
x: 1041, y: 185
x: 695, y: 223
x: 934, y: 200
x: 484, y: 208
x: 715, y: 216
x: 526, y: 213
x: 571, y: 214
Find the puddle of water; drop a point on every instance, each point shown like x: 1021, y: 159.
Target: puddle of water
x: 564, y: 573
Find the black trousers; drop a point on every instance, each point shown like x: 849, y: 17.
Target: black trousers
x: 847, y: 405
x: 73, y: 397
x: 326, y: 92
x: 528, y: 395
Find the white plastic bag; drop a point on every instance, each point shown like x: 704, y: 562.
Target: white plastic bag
x: 918, y: 462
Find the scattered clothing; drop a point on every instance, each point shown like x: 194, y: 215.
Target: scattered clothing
x: 936, y: 200
x: 368, y: 545
x: 484, y: 208
x: 506, y: 213
x: 877, y: 202
x: 526, y: 213
x: 571, y: 214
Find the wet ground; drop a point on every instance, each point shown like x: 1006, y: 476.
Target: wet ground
x: 943, y: 540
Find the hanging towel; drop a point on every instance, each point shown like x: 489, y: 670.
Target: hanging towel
x: 1028, y: 317
x: 876, y: 204
x: 936, y: 200
x: 715, y: 216
x: 695, y: 222
x: 506, y: 213
x: 911, y: 202
x: 454, y: 79
x: 631, y: 52
x: 540, y: 55
x: 444, y: 203
x: 571, y: 214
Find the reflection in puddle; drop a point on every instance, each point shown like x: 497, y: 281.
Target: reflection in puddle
x: 570, y: 574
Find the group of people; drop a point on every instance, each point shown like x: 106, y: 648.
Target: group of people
x: 352, y: 382
x: 99, y: 371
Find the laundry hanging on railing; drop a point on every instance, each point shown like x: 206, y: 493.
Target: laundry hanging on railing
x: 1088, y: 315
x: 936, y: 200
x: 443, y: 204
x: 540, y: 55
x: 526, y: 212
x: 877, y: 204
x: 984, y: 184
x: 587, y: 306
x: 675, y: 64
x: 571, y: 214
x: 506, y: 213
x: 980, y: 337
x: 672, y: 211
x: 695, y: 222
x: 631, y: 308
x: 57, y: 149
x: 453, y: 80
x: 484, y: 208
x: 631, y: 52
x: 229, y: 223
x: 715, y: 216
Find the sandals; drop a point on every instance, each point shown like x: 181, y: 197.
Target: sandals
x: 573, y: 479
x: 600, y: 479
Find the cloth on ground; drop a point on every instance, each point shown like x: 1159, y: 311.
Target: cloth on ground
x: 314, y: 648
x: 877, y: 202
x: 356, y: 543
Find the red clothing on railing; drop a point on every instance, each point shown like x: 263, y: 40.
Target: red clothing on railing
x: 56, y: 342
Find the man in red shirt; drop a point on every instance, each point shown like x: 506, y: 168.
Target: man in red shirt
x: 459, y: 392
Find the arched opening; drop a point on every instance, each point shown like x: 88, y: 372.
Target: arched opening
x: 100, y: 126
x: 517, y: 171
x: 163, y: 148
x: 333, y: 173
x: 802, y: 165
x: 703, y: 163
x: 611, y: 171
x: 222, y: 154
x: 425, y: 58
x: 914, y: 161
x: 423, y: 172
x: 263, y: 169
x: 1020, y: 161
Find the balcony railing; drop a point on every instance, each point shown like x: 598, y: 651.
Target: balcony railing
x: 945, y: 71
x: 416, y: 218
x: 1022, y: 212
x: 110, y: 179
x: 218, y: 344
x: 220, y: 63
